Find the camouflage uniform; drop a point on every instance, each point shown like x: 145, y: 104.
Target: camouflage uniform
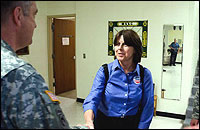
x: 195, y: 113
x: 24, y: 103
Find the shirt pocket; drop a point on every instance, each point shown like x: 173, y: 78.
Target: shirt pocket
x: 135, y: 93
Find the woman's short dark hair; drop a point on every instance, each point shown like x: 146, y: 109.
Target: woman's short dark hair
x: 131, y: 38
x: 8, y: 6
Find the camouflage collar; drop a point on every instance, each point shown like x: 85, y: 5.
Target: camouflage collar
x: 5, y: 45
x: 9, y: 59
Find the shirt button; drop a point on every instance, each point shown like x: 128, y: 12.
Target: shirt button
x: 124, y: 104
x: 126, y: 94
x: 122, y: 116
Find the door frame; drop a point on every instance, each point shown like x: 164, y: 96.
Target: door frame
x: 50, y: 47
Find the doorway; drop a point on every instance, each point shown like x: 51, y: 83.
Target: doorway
x: 61, y: 55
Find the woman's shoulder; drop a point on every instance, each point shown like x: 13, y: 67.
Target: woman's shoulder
x: 110, y: 66
x: 147, y: 71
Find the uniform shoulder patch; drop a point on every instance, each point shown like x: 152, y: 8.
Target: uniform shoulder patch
x: 52, y: 96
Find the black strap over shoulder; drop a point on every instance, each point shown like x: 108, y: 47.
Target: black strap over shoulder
x: 141, y: 74
x: 105, y: 67
x: 142, y: 81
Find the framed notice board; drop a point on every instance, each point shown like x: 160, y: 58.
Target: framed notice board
x: 141, y: 27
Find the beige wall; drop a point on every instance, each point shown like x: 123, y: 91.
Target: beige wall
x: 61, y: 7
x: 92, y: 37
x: 38, y: 49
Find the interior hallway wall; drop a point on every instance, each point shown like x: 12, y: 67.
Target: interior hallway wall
x: 38, y: 56
x: 92, y: 39
x: 38, y: 50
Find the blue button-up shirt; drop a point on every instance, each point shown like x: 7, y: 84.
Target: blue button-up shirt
x: 175, y: 46
x: 123, y: 94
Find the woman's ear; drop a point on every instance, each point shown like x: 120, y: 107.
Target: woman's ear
x: 18, y: 16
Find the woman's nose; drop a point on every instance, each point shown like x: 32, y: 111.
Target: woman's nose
x: 121, y: 46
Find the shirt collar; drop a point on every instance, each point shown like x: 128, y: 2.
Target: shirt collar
x: 137, y: 69
x: 8, y: 47
x: 116, y: 66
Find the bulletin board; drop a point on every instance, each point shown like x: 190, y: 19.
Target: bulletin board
x: 140, y: 27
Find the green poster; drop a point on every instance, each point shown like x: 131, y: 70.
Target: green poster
x: 141, y: 27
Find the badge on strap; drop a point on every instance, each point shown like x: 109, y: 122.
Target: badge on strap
x: 52, y: 96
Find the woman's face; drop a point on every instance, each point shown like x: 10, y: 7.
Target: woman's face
x: 123, y: 52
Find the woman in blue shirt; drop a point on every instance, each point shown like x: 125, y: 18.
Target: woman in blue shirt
x: 117, y: 106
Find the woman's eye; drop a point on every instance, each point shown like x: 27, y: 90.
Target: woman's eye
x: 118, y: 44
x: 124, y: 45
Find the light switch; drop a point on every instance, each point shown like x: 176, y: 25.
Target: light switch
x: 84, y: 55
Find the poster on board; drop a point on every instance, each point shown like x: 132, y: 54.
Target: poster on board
x: 140, y: 27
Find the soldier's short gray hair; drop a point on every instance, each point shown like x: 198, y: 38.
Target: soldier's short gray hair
x: 8, y: 6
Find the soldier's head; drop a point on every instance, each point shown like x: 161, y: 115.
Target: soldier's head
x: 174, y: 40
x: 7, y: 8
x: 18, y: 17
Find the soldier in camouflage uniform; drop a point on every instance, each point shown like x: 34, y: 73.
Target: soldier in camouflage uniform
x: 195, y: 113
x: 26, y: 101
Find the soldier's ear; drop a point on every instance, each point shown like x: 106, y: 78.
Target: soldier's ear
x: 18, y: 16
